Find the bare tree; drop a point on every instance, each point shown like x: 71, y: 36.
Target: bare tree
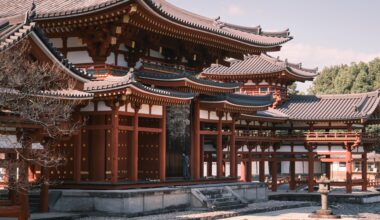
x: 29, y: 106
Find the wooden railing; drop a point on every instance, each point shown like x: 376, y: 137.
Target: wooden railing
x: 103, y: 70
x: 309, y: 136
x: 374, y: 182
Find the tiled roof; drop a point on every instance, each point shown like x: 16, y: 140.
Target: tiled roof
x: 65, y: 8
x: 68, y: 94
x: 55, y: 8
x: 239, y: 99
x: 260, y: 64
x: 120, y: 82
x: 331, y: 107
x: 61, y: 94
x: 180, y: 77
x: 14, y: 30
x: 246, y: 34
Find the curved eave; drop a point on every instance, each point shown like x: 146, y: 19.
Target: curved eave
x: 263, y: 118
x: 185, y: 82
x: 49, y: 54
x: 227, y: 105
x: 157, y: 12
x: 298, y: 74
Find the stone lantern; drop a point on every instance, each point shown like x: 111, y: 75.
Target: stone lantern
x: 324, y: 212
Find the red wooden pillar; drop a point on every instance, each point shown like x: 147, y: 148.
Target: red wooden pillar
x: 274, y: 174
x: 134, y: 151
x: 310, y: 180
x: 44, y: 193
x: 249, y: 166
x: 195, y: 150
x: 292, y: 167
x: 202, y: 156
x: 364, y: 171
x: 348, y: 169
x: 77, y: 151
x: 219, y: 147
x: 233, y: 165
x: 12, y: 172
x: 98, y: 150
x: 328, y: 168
x: 162, y: 150
x: 115, y: 144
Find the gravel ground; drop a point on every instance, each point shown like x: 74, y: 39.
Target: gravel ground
x: 347, y: 211
x: 254, y: 207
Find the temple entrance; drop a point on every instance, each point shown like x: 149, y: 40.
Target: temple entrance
x: 178, y: 139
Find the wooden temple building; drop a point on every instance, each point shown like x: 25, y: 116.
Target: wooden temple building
x: 135, y: 62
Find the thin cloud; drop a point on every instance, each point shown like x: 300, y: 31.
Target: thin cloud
x: 316, y: 56
x: 235, y: 10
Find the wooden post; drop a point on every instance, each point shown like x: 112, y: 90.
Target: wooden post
x: 328, y: 168
x: 195, y: 150
x: 310, y: 180
x: 162, y: 150
x: 115, y: 144
x: 134, y: 151
x: 348, y: 168
x: 44, y: 193
x: 219, y: 147
x: 12, y: 172
x: 233, y: 165
x: 77, y: 151
x: 98, y: 151
x: 274, y: 173
x: 292, y: 167
x: 202, y: 155
x: 249, y: 166
x: 364, y: 171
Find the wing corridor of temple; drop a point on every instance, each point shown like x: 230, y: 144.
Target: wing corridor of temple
x: 159, y: 85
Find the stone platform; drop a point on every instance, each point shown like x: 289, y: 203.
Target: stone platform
x: 334, y: 197
x: 144, y: 201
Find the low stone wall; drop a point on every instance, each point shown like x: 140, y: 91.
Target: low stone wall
x: 138, y: 201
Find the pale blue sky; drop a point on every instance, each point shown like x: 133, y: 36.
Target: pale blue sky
x: 326, y: 32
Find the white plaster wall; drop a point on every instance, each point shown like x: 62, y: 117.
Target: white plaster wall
x: 111, y: 59
x: 284, y: 149
x: 88, y: 108
x: 203, y: 114
x: 302, y: 167
x: 79, y: 57
x: 129, y: 108
x: 122, y: 47
x: 299, y: 149
x: 144, y: 109
x: 156, y: 110
x: 285, y: 167
x: 57, y: 42
x: 337, y: 149
x: 102, y: 107
x: 322, y: 149
x: 75, y: 42
x: 213, y: 115
x: 121, y: 61
x: 156, y: 54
